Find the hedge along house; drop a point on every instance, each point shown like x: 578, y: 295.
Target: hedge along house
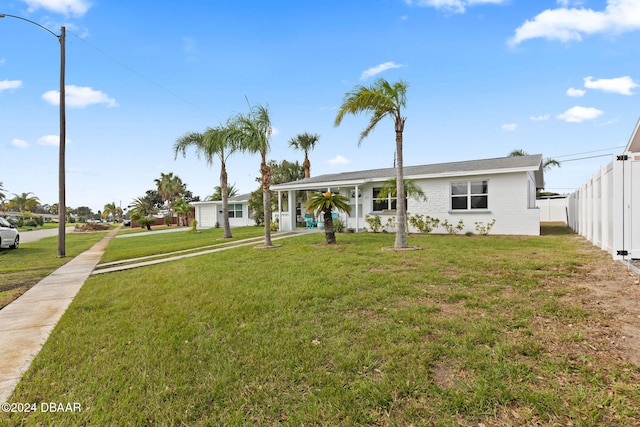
x: 473, y: 191
x: 209, y: 213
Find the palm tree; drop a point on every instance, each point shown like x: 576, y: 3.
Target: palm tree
x: 252, y: 133
x: 214, y: 142
x: 381, y: 100
x: 232, y: 191
x: 140, y: 207
x: 305, y: 142
x: 547, y: 163
x: 326, y: 203
x: 24, y: 203
x: 2, y: 195
x: 182, y: 209
x: 113, y: 210
x: 169, y: 187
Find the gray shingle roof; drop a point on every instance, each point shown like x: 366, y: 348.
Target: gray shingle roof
x: 496, y: 165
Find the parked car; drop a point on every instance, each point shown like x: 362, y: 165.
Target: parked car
x: 9, y: 235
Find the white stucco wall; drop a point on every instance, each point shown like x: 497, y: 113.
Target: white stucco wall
x: 208, y: 215
x: 509, y: 203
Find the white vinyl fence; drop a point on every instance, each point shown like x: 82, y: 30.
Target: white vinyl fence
x: 606, y: 210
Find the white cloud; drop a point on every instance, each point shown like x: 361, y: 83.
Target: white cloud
x: 10, y: 84
x: 79, y: 97
x: 570, y: 24
x: 456, y: 6
x: 542, y: 118
x: 379, y: 69
x: 50, y: 140
x: 65, y: 7
x: 2, y: 61
x: 19, y: 143
x: 621, y: 85
x: 338, y: 160
x: 509, y: 127
x: 275, y: 131
x: 576, y: 93
x: 579, y: 114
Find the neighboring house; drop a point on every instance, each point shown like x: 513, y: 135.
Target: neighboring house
x: 209, y: 214
x: 473, y: 191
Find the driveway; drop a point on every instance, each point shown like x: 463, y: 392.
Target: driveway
x: 35, y: 235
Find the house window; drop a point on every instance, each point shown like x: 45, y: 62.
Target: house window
x: 235, y: 210
x: 383, y: 204
x: 469, y: 195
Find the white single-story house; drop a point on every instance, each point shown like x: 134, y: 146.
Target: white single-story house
x: 209, y: 213
x: 473, y: 191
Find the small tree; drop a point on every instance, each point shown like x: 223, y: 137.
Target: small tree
x: 326, y: 203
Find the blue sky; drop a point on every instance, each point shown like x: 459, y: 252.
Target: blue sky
x: 485, y: 77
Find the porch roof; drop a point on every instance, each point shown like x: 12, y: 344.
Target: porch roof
x: 242, y: 198
x: 439, y: 170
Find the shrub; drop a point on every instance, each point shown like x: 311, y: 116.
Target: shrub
x: 423, y: 224
x: 146, y: 222
x: 375, y: 224
x: 194, y: 225
x: 391, y: 224
x: 484, y: 229
x: 338, y: 225
x: 453, y: 229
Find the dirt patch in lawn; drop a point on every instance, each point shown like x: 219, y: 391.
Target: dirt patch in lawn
x: 612, y: 289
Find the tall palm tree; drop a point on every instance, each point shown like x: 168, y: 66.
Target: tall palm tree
x: 170, y: 186
x: 305, y: 142
x: 326, y: 203
x: 381, y: 100
x: 252, y: 133
x: 214, y: 142
x: 112, y: 209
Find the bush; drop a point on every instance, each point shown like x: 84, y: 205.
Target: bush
x: 391, y: 224
x: 146, y: 222
x: 453, y: 229
x: 338, y: 225
x: 423, y: 224
x: 484, y: 229
x: 375, y: 224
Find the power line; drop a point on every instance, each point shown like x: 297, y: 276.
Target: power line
x: 144, y: 77
x: 584, y: 158
x: 587, y: 152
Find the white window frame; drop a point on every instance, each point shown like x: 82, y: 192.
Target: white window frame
x: 469, y: 195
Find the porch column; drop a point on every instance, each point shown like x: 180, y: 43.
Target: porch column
x: 357, y: 211
x: 292, y: 202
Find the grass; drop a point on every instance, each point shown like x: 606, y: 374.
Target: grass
x: 22, y: 268
x: 467, y: 330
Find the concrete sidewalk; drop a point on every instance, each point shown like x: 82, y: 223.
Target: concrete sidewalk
x: 26, y: 323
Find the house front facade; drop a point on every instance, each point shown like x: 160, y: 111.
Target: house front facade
x: 209, y: 214
x: 476, y: 191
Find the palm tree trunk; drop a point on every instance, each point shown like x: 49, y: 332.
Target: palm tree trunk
x: 401, y: 208
x: 266, y: 199
x: 329, y: 232
x: 224, y: 189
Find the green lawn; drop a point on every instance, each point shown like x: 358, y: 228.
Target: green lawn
x: 22, y: 268
x: 468, y: 330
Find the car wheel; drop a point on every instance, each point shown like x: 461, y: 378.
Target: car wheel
x: 16, y: 243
